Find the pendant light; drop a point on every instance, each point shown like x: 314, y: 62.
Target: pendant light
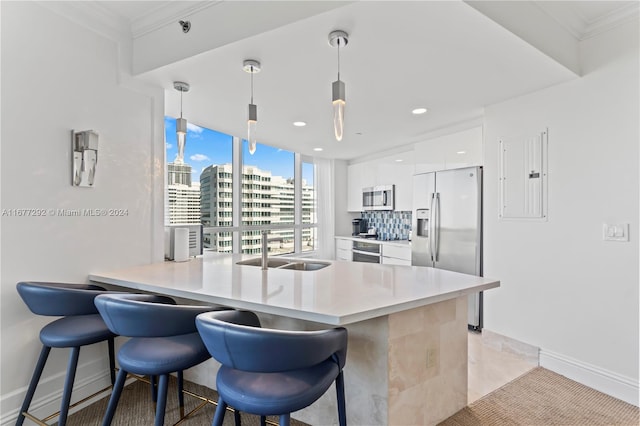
x: 338, y: 39
x: 181, y: 123
x: 252, y: 67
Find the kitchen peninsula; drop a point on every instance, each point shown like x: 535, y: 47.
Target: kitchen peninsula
x: 407, y: 354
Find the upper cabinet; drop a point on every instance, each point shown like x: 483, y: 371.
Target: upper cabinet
x: 453, y: 151
x: 394, y: 170
x: 359, y: 175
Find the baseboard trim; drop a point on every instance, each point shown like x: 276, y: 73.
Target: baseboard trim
x: 49, y: 393
x: 605, y: 381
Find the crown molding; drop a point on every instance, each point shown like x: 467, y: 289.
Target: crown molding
x: 92, y: 16
x: 579, y: 26
x: 613, y: 19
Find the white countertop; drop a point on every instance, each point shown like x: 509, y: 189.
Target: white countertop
x: 341, y: 293
x: 401, y: 243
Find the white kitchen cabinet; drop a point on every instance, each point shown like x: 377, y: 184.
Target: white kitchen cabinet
x: 394, y: 261
x: 359, y: 175
x: 453, y: 151
x: 396, y: 255
x: 343, y: 249
x: 384, y: 171
x: 401, y: 176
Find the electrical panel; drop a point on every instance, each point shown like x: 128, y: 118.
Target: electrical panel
x: 524, y: 176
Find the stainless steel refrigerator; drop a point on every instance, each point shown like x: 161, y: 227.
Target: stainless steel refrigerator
x: 447, y: 226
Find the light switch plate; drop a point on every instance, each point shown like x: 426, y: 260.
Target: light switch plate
x: 617, y: 232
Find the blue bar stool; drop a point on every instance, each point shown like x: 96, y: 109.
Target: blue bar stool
x: 272, y: 372
x: 81, y: 326
x: 163, y: 340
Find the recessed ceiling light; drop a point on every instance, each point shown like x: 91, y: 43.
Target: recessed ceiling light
x: 317, y: 149
x: 461, y: 152
x: 299, y: 123
x: 399, y: 160
x: 418, y: 111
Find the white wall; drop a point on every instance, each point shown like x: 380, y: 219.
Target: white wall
x: 58, y: 76
x: 563, y: 288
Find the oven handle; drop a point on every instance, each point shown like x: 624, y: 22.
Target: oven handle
x: 367, y: 253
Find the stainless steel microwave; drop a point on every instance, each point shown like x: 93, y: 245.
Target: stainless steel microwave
x: 378, y: 197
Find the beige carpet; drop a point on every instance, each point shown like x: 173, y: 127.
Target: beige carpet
x: 542, y: 397
x: 135, y: 408
x: 537, y: 398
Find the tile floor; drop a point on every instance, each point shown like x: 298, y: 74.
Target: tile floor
x: 490, y: 369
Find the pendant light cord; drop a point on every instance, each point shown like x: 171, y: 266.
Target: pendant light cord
x: 338, y: 59
x: 251, y: 83
x: 181, y: 91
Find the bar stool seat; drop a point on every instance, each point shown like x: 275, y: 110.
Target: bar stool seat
x: 275, y: 393
x: 149, y: 356
x: 75, y: 331
x: 81, y: 325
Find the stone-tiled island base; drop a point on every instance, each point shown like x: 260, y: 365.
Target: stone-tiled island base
x: 406, y: 368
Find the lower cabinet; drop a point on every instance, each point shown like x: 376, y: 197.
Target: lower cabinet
x: 391, y: 253
x: 343, y: 249
x: 395, y: 261
x: 396, y: 255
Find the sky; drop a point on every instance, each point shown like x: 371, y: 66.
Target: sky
x: 205, y: 147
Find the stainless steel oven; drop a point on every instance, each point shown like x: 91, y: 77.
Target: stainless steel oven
x: 364, y: 251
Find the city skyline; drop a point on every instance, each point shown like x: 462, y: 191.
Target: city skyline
x: 205, y: 147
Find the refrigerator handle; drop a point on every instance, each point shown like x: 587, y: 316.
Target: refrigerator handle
x: 432, y: 229
x: 436, y: 227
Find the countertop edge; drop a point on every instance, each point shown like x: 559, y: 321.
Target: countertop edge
x: 291, y: 313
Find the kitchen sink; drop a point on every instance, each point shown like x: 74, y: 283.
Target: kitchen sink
x: 296, y: 265
x: 271, y: 263
x: 305, y: 266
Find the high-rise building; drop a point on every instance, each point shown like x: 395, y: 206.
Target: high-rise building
x: 216, y: 206
x: 184, y: 196
x: 266, y: 200
x: 179, y: 174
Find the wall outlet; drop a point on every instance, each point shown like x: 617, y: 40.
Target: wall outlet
x: 431, y: 357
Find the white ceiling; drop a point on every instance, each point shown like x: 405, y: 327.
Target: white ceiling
x: 445, y: 56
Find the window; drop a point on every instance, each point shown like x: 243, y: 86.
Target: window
x: 193, y: 175
x: 263, y: 189
x: 309, y: 207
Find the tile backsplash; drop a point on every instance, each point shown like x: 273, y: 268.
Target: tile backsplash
x: 390, y: 225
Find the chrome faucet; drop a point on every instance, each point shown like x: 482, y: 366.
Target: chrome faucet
x: 265, y: 249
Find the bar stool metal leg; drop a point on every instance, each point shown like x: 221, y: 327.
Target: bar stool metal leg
x: 180, y: 393
x: 342, y: 409
x: 285, y: 419
x: 112, y: 361
x: 68, y: 386
x: 218, y: 417
x: 163, y: 382
x: 115, y: 397
x: 42, y: 360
